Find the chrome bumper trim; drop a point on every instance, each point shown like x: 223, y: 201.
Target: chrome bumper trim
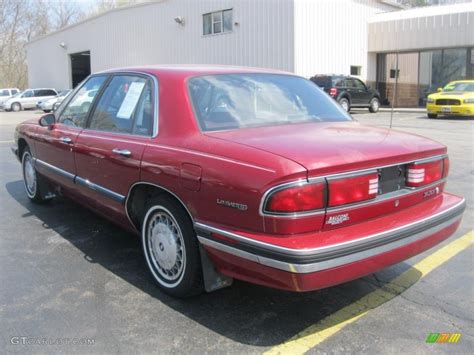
x: 317, y: 259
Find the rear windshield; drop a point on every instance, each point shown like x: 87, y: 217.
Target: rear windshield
x: 233, y: 101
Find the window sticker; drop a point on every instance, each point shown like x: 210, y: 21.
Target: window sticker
x: 131, y: 100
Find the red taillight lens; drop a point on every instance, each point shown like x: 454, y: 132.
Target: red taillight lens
x: 419, y: 174
x: 333, y: 92
x: 307, y: 197
x: 353, y: 189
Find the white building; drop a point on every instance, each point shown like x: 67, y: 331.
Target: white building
x: 301, y: 36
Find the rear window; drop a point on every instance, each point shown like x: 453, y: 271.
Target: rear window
x: 233, y: 101
x: 322, y: 81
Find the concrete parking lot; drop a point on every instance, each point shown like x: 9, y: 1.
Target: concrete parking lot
x: 66, y: 273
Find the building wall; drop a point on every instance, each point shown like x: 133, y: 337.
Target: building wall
x: 330, y: 36
x: 423, y: 28
x: 148, y: 34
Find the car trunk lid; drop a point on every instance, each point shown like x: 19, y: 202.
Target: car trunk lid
x: 330, y: 148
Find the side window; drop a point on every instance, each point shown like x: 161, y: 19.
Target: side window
x: 28, y: 93
x: 4, y: 93
x: 359, y: 84
x: 49, y: 93
x: 14, y: 92
x: 77, y: 109
x: 125, y: 107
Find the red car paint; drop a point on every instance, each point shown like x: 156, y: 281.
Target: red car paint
x: 222, y: 177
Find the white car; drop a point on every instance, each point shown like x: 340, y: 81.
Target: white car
x: 28, y: 99
x: 51, y: 104
x: 7, y: 93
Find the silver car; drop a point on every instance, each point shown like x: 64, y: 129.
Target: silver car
x: 28, y: 99
x: 52, y: 104
x: 7, y: 93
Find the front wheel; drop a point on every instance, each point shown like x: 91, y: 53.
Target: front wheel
x: 30, y: 178
x: 432, y: 115
x: 16, y: 107
x: 374, y: 105
x: 345, y: 104
x: 171, y: 248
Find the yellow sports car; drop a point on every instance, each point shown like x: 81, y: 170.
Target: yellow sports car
x: 456, y: 98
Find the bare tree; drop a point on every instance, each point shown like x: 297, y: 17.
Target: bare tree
x: 23, y: 20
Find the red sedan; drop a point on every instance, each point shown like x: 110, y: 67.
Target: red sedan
x: 240, y: 173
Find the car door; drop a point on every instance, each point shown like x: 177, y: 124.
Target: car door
x: 361, y: 93
x: 28, y: 99
x: 109, y: 150
x: 55, y: 145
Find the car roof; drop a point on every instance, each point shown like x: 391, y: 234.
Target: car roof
x: 185, y: 70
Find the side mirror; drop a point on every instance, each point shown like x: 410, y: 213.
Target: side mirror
x: 47, y: 120
x: 439, y: 89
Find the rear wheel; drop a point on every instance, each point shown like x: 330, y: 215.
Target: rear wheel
x: 345, y: 104
x: 374, y: 105
x: 30, y: 178
x: 171, y: 248
x: 16, y: 107
x: 432, y: 115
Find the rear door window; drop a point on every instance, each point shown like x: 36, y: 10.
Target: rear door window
x: 4, y: 93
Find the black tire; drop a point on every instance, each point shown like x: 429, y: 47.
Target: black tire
x: 32, y: 189
x: 374, y: 105
x: 346, y: 106
x: 172, y: 251
x: 432, y: 115
x: 16, y: 107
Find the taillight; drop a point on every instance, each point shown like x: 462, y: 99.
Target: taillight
x: 352, y: 189
x: 419, y: 174
x: 445, y: 167
x: 301, y: 198
x: 333, y: 92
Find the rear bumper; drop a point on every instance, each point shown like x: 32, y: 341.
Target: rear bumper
x: 309, y: 268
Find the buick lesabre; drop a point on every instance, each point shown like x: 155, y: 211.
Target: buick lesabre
x: 242, y: 173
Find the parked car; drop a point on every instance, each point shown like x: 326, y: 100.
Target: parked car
x: 229, y: 172
x: 28, y: 99
x: 456, y: 98
x: 50, y: 104
x: 7, y: 93
x: 348, y: 91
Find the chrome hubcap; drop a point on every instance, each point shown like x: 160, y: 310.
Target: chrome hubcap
x: 166, y: 245
x: 375, y: 104
x: 30, y: 175
x: 345, y: 105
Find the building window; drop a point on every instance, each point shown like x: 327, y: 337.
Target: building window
x: 355, y: 70
x: 217, y: 22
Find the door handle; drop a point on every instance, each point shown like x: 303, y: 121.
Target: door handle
x: 65, y: 140
x: 122, y: 152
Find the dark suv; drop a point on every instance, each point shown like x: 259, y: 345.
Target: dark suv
x: 348, y: 91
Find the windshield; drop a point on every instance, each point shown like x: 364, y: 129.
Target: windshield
x: 462, y: 86
x: 17, y: 94
x: 233, y: 101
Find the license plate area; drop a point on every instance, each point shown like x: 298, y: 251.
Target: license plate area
x: 445, y: 109
x: 392, y: 179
